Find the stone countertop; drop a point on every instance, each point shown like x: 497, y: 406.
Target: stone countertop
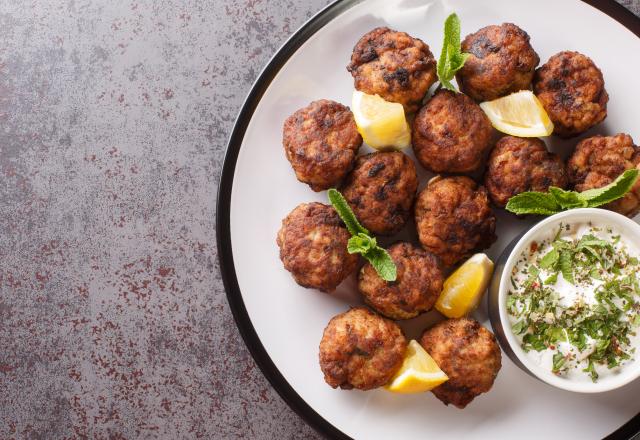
x: 113, y: 122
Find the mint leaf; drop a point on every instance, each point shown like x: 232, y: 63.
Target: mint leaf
x: 458, y: 61
x: 382, y: 263
x: 614, y: 191
x: 595, y: 274
x: 558, y: 362
x: 533, y: 342
x: 346, y: 214
x: 592, y: 371
x: 361, y: 244
x: 591, y: 241
x: 361, y: 241
x: 451, y: 58
x: 533, y: 276
x: 533, y: 203
x: 550, y: 259
x: 567, y: 199
x: 566, y: 266
x: 552, y: 279
x: 556, y: 334
x: 520, y: 327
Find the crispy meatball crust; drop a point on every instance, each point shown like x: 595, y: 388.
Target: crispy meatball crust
x: 393, y: 65
x: 321, y: 142
x: 415, y: 290
x: 381, y: 189
x: 571, y: 89
x: 518, y: 164
x: 361, y: 350
x: 599, y: 160
x: 451, y: 134
x: 501, y: 61
x: 468, y: 353
x: 454, y: 219
x: 313, y: 247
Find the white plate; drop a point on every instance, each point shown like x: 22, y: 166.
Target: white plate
x: 282, y: 322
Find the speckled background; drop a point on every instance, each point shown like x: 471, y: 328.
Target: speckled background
x: 114, y: 117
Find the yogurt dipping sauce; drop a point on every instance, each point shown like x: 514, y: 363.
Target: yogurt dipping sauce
x: 574, y: 301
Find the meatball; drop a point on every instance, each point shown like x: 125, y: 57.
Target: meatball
x: 571, y: 89
x: 393, y: 65
x: 321, y: 142
x: 518, y: 164
x: 468, y: 353
x: 416, y: 289
x: 381, y: 189
x: 313, y: 247
x: 599, y: 160
x: 454, y: 218
x: 451, y: 134
x: 361, y: 350
x: 501, y: 61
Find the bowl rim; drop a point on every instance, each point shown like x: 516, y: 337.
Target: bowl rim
x: 570, y: 216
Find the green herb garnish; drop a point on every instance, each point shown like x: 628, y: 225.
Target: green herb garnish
x: 558, y: 362
x: 361, y: 241
x: 557, y: 200
x: 592, y: 371
x: 451, y: 58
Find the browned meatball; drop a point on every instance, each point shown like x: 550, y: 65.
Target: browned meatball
x: 415, y: 290
x: 393, y: 65
x: 361, y: 350
x: 599, y: 160
x: 451, y: 134
x: 454, y: 218
x: 518, y: 164
x: 313, y: 247
x: 321, y: 142
x: 501, y: 61
x: 381, y: 189
x: 571, y: 89
x: 468, y: 353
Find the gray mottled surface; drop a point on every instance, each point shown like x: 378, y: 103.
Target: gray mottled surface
x: 113, y: 121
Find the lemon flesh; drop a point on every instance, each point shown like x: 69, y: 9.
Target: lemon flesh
x: 519, y: 114
x: 464, y: 288
x: 419, y: 372
x: 382, y: 124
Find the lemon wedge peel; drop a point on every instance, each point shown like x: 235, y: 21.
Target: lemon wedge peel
x: 519, y: 114
x: 419, y: 372
x: 464, y: 288
x: 382, y: 124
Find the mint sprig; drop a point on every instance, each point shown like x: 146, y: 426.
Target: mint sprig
x: 451, y: 58
x: 361, y: 241
x: 557, y: 199
x: 346, y: 214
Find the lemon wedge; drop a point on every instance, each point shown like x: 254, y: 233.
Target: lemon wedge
x: 382, y: 124
x: 463, y: 289
x: 519, y: 114
x: 419, y: 372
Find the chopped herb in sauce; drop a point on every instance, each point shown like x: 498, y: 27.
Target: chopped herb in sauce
x: 590, y: 328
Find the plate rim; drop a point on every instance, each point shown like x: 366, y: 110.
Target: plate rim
x: 223, y: 215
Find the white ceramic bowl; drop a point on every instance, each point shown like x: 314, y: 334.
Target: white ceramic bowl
x: 500, y: 286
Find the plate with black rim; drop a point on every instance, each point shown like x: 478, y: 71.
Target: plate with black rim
x: 282, y: 323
